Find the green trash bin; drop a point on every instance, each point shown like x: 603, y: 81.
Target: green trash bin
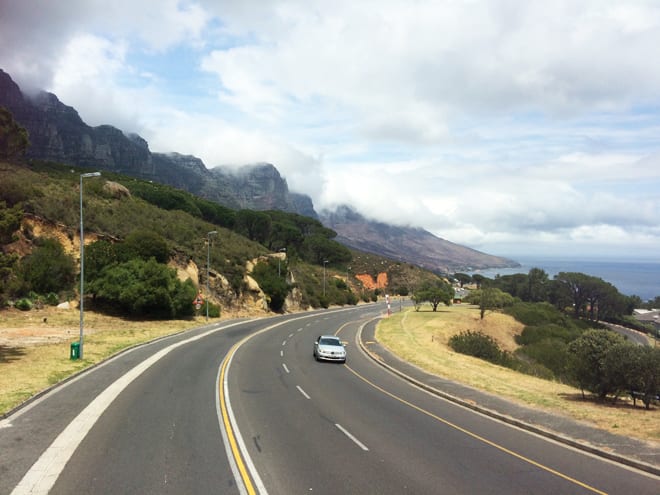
x: 75, y: 350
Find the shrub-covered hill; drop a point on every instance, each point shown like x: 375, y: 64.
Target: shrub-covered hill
x: 301, y: 265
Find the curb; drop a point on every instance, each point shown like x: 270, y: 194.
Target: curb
x: 642, y: 466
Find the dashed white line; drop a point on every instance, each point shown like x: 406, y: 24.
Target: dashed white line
x: 281, y: 353
x: 285, y: 368
x: 303, y: 392
x: 284, y: 342
x: 290, y: 335
x: 348, y: 434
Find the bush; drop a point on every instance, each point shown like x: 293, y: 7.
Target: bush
x: 24, y: 304
x: 145, y: 288
x: 537, y: 314
x: 52, y: 299
x: 48, y: 268
x: 478, y: 345
x: 551, y: 353
x: 537, y: 333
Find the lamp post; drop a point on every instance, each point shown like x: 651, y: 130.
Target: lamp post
x: 279, y: 260
x: 324, y: 263
x: 82, y: 260
x: 208, y: 262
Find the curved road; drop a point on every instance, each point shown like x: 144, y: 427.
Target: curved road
x: 198, y: 413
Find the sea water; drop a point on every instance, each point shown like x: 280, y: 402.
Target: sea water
x: 638, y: 278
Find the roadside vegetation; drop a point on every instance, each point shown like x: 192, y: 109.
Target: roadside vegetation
x: 424, y: 338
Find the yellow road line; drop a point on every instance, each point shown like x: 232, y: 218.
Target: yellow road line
x: 230, y: 432
x: 478, y: 437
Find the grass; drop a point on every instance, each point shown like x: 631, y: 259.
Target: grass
x: 38, y: 356
x: 421, y: 337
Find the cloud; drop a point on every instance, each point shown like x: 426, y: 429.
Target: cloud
x: 495, y: 124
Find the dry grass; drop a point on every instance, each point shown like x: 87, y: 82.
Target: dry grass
x: 34, y: 354
x: 421, y: 338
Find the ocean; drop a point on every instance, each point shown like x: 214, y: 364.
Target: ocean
x: 639, y: 278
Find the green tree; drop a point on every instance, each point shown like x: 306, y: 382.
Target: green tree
x: 274, y: 286
x: 489, y: 298
x: 48, y: 268
x: 255, y: 225
x: 435, y: 293
x: 538, y: 286
x: 463, y: 278
x: 147, y: 244
x: 14, y: 139
x: 588, y: 360
x: 643, y: 372
x: 10, y: 222
x: 143, y: 288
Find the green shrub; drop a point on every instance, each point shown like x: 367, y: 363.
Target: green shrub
x: 535, y: 333
x: 52, y: 299
x: 536, y: 314
x: 24, y: 304
x: 478, y: 345
x: 551, y: 353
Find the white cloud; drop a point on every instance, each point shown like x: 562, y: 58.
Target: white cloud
x: 491, y: 123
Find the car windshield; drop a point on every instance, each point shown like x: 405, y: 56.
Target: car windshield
x: 329, y: 341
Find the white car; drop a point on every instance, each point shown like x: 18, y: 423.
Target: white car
x: 329, y: 348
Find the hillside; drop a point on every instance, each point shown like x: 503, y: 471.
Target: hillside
x: 407, y: 244
x: 57, y: 133
x: 48, y: 195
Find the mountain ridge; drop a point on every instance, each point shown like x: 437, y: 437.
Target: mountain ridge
x: 58, y: 133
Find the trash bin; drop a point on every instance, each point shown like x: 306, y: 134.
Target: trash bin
x: 75, y: 350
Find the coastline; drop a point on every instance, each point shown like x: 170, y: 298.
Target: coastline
x: 630, y: 277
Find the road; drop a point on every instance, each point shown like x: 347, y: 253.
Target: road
x: 242, y: 406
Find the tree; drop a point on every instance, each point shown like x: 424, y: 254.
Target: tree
x: 587, y: 363
x: 274, y: 286
x: 463, y: 278
x: 10, y: 222
x: 142, y: 287
x: 435, y: 293
x: 14, y: 139
x: 146, y: 244
x: 537, y: 286
x: 48, y: 268
x: 489, y: 298
x: 479, y: 279
x: 255, y: 225
x: 643, y: 372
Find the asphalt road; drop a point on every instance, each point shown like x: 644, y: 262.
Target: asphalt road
x: 196, y: 413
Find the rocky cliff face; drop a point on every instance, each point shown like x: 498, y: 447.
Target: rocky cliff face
x: 58, y: 133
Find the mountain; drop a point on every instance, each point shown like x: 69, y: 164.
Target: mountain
x: 57, y: 133
x: 412, y: 245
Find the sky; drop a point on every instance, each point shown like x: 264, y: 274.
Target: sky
x: 518, y: 128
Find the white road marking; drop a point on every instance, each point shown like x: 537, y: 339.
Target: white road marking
x: 290, y: 335
x: 43, y: 474
x: 285, y: 368
x: 284, y: 342
x: 348, y: 434
x: 281, y: 353
x: 303, y: 392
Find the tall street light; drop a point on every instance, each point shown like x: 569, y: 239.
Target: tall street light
x: 324, y: 263
x: 82, y: 259
x: 279, y: 260
x: 208, y: 262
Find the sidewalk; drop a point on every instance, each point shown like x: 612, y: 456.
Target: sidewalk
x: 629, y: 451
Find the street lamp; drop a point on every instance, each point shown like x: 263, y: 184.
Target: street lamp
x: 324, y: 263
x: 82, y: 259
x: 283, y: 250
x: 208, y: 262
